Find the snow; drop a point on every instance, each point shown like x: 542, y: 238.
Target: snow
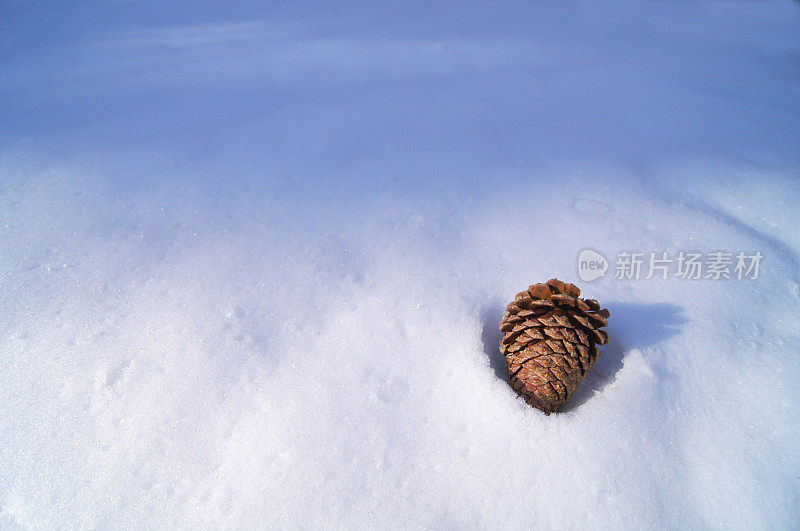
x: 253, y: 259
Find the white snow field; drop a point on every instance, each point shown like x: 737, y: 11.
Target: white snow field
x: 252, y: 261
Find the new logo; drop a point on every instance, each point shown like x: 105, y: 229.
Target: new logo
x: 591, y: 265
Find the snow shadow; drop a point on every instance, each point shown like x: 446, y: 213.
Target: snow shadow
x: 491, y: 336
x: 630, y: 326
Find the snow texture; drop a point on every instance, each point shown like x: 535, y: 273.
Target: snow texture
x: 253, y: 261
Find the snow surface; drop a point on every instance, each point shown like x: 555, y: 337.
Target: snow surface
x: 253, y: 261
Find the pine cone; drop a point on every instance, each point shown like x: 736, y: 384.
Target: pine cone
x: 550, y: 342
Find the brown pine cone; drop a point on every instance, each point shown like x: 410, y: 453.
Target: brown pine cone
x: 550, y: 342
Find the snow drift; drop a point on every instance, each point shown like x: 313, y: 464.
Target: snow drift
x: 252, y: 264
